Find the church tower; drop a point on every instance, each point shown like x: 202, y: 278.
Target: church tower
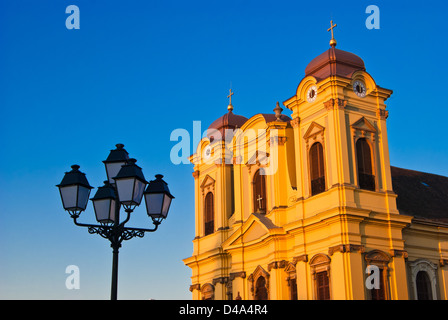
x: 339, y: 119
x: 303, y: 207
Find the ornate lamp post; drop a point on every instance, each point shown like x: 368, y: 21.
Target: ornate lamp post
x: 125, y: 186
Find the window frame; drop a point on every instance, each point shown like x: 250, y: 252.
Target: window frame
x: 320, y: 267
x: 263, y: 187
x: 431, y: 270
x: 364, y: 129
x: 253, y: 278
x: 366, y: 181
x: 381, y: 260
x: 426, y: 283
x: 208, y: 215
x: 321, y: 180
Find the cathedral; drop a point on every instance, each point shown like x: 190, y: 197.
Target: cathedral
x: 308, y: 207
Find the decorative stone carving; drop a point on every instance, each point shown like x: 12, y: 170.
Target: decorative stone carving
x: 377, y: 257
x: 443, y: 262
x: 336, y: 104
x: 240, y: 274
x: 423, y: 265
x: 276, y: 140
x: 382, y: 114
x: 259, y: 272
x: 195, y: 287
x: 364, y: 129
x: 302, y: 258
x: 345, y: 248
x: 295, y: 122
x: 315, y: 133
x: 398, y: 253
x: 207, y: 185
x: 221, y: 280
x: 319, y: 259
x: 277, y: 265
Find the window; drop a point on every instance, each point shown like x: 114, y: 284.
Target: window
x: 293, y: 288
x: 317, y: 171
x: 322, y: 286
x: 366, y: 179
x: 291, y: 279
x: 209, y: 219
x: 381, y: 260
x: 423, y: 286
x: 208, y: 292
x: 259, y: 284
x: 423, y: 279
x: 259, y: 192
x: 320, y: 270
x: 261, y: 292
x: 380, y: 293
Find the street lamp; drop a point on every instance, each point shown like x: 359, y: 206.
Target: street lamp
x: 116, y: 159
x: 125, y: 186
x: 105, y: 204
x: 158, y: 198
x: 75, y: 190
x: 130, y: 184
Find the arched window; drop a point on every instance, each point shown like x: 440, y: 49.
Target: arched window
x: 261, y: 292
x: 209, y: 217
x: 366, y: 178
x: 423, y: 286
x: 380, y: 260
x: 317, y: 171
x: 259, y: 191
x: 259, y: 284
x: 320, y: 270
x: 423, y: 282
x: 208, y: 292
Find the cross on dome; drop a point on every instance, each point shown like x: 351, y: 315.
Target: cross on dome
x: 332, y: 41
x: 230, y: 107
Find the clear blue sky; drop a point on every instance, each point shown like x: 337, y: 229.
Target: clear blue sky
x: 137, y: 70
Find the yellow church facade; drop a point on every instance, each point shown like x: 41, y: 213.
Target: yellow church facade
x: 305, y: 207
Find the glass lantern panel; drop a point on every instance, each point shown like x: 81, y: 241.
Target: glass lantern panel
x: 112, y: 170
x: 83, y: 197
x: 166, y: 205
x: 102, y: 209
x: 69, y: 195
x: 113, y: 211
x: 154, y: 203
x: 139, y: 187
x: 125, y: 188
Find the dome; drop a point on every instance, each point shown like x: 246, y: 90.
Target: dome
x: 227, y: 121
x: 334, y: 62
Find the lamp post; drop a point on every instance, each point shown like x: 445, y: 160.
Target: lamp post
x: 125, y: 186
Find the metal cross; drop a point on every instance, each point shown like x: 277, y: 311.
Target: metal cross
x: 332, y: 41
x: 230, y: 96
x: 331, y: 28
x: 259, y: 201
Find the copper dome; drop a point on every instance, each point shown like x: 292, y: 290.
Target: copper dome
x: 334, y: 62
x: 227, y: 121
